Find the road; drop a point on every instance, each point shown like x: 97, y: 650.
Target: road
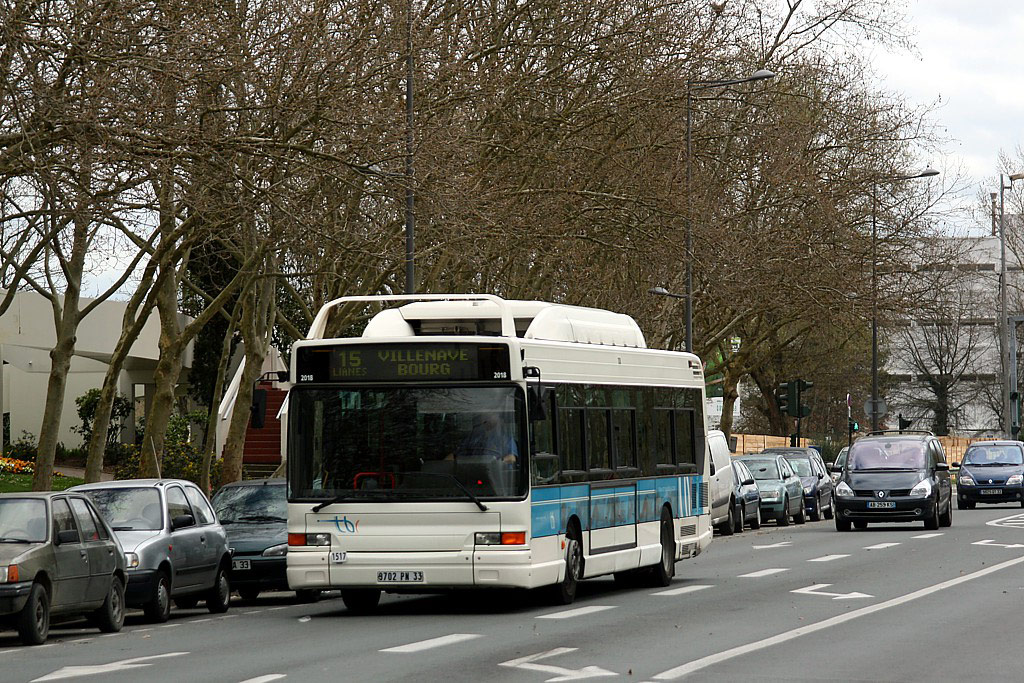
x: 799, y: 603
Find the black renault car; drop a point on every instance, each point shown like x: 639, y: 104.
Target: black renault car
x: 894, y: 477
x: 991, y: 472
x: 254, y: 514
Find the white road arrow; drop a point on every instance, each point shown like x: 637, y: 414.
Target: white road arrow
x: 562, y: 674
x: 816, y: 590
x: 93, y: 669
x: 1001, y: 545
x: 781, y: 544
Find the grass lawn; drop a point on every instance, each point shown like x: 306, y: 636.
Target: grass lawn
x: 10, y: 483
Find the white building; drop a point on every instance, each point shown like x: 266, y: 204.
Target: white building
x: 26, y: 337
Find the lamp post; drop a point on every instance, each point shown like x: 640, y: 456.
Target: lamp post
x: 928, y: 172
x: 691, y: 86
x: 1006, y: 355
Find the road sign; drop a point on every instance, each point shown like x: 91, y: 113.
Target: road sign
x: 880, y: 407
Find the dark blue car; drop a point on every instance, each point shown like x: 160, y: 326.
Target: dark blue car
x: 991, y: 472
x: 748, y: 500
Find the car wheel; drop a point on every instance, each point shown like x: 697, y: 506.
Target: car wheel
x: 830, y: 512
x: 729, y: 525
x: 816, y: 512
x: 741, y: 519
x: 947, y: 518
x: 932, y: 523
x: 783, y: 517
x: 158, y: 608
x: 307, y: 595
x: 962, y: 505
x: 842, y: 524
x: 860, y: 525
x: 109, y: 618
x: 34, y: 620
x: 661, y: 574
x: 187, y: 602
x: 219, y: 596
x: 248, y: 594
x: 756, y: 522
x: 360, y: 600
x: 800, y: 517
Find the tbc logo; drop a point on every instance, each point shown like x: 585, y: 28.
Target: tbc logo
x: 343, y: 524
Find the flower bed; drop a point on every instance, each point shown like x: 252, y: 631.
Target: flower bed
x: 12, y: 466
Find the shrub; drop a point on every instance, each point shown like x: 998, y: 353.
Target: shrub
x: 70, y: 456
x: 23, y: 449
x: 119, y: 412
x: 182, y: 459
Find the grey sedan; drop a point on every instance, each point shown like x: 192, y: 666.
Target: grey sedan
x: 57, y: 556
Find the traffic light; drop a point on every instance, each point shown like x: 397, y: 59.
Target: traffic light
x: 782, y: 396
x: 854, y: 426
x: 802, y: 410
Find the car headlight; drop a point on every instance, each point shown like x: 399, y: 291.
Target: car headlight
x: 922, y: 490
x: 770, y: 496
x: 9, y: 574
x: 843, y: 490
x: 1015, y: 480
x: 808, y: 490
x: 965, y: 480
x: 131, y: 560
x: 276, y: 550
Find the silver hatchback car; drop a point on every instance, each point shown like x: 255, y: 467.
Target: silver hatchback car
x: 173, y: 544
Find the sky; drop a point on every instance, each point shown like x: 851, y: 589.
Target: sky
x: 968, y: 58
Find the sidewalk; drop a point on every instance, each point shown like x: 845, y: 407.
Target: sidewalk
x: 79, y: 472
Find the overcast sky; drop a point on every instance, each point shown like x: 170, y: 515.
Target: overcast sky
x: 969, y: 59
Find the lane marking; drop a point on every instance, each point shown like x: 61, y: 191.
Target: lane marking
x: 170, y: 626
x: 781, y: 544
x: 682, y: 591
x: 433, y: 642
x: 265, y: 679
x: 142, y: 630
x: 578, y: 612
x: 93, y: 669
x: 816, y: 589
x: 561, y: 673
x: 80, y: 640
x: 763, y: 572
x: 194, y: 621
x: 880, y: 546
x: 274, y: 609
x: 989, y: 541
x: 828, y: 558
x: 1013, y: 521
x: 927, y: 535
x: 725, y: 655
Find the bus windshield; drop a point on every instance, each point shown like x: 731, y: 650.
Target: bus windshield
x: 406, y: 443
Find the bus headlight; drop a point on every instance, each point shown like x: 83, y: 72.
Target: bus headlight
x: 500, y: 538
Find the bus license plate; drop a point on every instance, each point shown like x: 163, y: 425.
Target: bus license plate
x: 882, y: 504
x: 236, y: 565
x: 338, y: 556
x: 997, y: 492
x: 399, y: 577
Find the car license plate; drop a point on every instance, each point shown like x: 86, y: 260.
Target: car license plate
x: 338, y: 556
x: 237, y: 565
x: 885, y: 504
x: 991, y: 492
x: 400, y: 577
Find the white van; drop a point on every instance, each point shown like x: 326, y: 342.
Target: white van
x: 723, y: 484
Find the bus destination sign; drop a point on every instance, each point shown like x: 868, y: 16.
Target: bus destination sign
x: 421, y: 362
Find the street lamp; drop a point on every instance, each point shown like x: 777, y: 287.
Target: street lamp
x: 926, y: 173
x: 1006, y: 355
x: 691, y: 86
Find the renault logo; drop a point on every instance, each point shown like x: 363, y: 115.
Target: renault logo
x: 880, y: 494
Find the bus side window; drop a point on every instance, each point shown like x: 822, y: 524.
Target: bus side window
x: 597, y: 443
x: 570, y: 438
x: 545, y: 462
x: 686, y: 446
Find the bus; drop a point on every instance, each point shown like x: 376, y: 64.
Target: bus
x: 468, y: 441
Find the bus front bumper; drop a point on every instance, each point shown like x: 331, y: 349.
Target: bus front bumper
x: 421, y: 571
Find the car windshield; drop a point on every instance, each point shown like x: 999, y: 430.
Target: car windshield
x: 763, y: 469
x: 841, y: 459
x: 129, y: 509
x: 407, y: 443
x: 802, y: 466
x: 887, y: 455
x: 22, y: 520
x: 993, y: 456
x: 251, y: 504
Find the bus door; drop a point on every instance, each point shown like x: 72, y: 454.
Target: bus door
x: 612, y: 516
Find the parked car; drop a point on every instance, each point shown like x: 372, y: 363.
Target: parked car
x: 722, y: 484
x: 57, y: 557
x: 817, y: 483
x: 782, y: 495
x: 174, y: 546
x: 891, y: 477
x: 254, y: 514
x: 749, y: 499
x: 835, y: 468
x: 991, y: 472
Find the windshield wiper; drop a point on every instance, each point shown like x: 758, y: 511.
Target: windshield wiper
x: 263, y: 518
x: 17, y: 540
x: 123, y: 528
x: 462, y: 487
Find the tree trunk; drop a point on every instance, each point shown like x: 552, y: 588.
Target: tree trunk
x: 730, y: 392
x: 168, y: 368
x: 210, y: 439
x: 60, y: 364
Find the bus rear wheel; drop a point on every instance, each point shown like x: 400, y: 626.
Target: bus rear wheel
x: 662, y: 573
x: 360, y: 600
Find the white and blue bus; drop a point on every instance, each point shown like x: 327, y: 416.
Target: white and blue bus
x: 467, y: 441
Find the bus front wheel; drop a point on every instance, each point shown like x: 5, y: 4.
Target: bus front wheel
x: 360, y: 600
x: 565, y: 591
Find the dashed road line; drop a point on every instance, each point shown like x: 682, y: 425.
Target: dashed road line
x: 927, y: 535
x: 578, y: 612
x: 200, y: 621
x: 274, y: 609
x: 763, y: 572
x: 170, y: 626
x: 80, y: 641
x: 683, y: 590
x: 266, y: 678
x: 433, y: 642
x: 828, y: 558
x: 880, y: 546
